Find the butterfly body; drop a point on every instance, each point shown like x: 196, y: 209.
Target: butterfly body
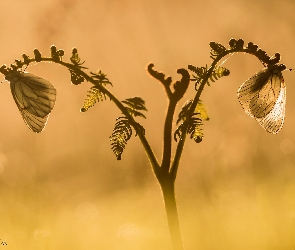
x: 263, y: 97
x: 34, y: 96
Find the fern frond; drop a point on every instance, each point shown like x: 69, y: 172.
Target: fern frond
x: 120, y: 136
x: 94, y: 95
x: 100, y: 78
x: 217, y: 50
x: 135, y: 113
x: 179, y: 132
x: 76, y: 78
x: 218, y: 73
x: 200, y: 73
x: 236, y: 44
x: 183, y: 114
x: 200, y: 109
x: 193, y: 126
x: 76, y: 60
x: 134, y: 104
x: 191, y: 123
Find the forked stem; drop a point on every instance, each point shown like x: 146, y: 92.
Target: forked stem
x: 167, y: 171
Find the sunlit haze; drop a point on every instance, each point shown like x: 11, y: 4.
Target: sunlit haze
x: 63, y: 189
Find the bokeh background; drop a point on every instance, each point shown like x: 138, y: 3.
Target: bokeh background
x: 64, y: 188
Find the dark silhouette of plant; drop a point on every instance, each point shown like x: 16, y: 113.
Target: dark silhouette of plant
x: 32, y: 94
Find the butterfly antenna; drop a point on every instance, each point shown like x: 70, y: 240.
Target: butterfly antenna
x: 289, y: 69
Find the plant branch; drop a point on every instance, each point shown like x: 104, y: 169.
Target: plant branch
x: 166, y: 172
x: 180, y: 145
x: 146, y: 145
x: 167, y: 186
x: 166, y: 158
x: 161, y: 78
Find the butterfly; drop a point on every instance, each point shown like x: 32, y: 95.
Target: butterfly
x: 263, y: 97
x: 34, y: 96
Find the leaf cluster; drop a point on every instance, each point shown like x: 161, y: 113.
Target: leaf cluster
x: 134, y: 105
x: 94, y: 95
x: 76, y: 76
x: 191, y: 123
x: 120, y: 136
x: 201, y: 73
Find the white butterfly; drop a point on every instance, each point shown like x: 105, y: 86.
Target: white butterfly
x: 34, y: 96
x: 263, y: 96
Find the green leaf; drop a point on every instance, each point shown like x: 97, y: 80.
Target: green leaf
x: 193, y: 126
x: 120, y: 136
x: 183, y: 114
x: 94, y: 95
x: 134, y: 104
x: 217, y: 50
x: 191, y: 123
x: 100, y: 78
x: 201, y: 73
x: 218, y: 73
x: 202, y: 111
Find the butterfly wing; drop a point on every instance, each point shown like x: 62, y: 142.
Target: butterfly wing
x: 274, y: 120
x: 35, y: 123
x: 252, y: 92
x: 34, y: 96
x: 263, y: 97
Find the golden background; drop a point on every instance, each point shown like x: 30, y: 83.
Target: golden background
x: 64, y: 188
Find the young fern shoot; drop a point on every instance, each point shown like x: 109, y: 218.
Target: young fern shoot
x: 263, y: 97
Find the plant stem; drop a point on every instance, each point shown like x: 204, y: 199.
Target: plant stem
x: 167, y: 186
x: 167, y: 136
x: 167, y: 171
